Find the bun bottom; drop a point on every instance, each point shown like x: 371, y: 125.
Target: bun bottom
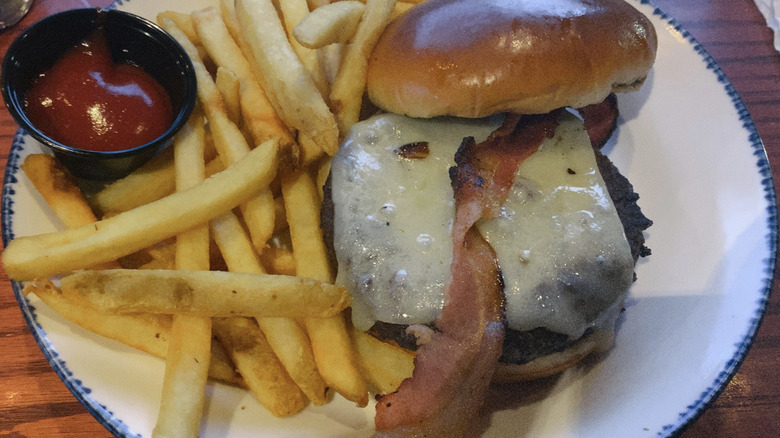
x: 554, y: 363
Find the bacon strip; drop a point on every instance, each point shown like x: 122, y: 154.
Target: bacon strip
x: 453, y: 371
x: 600, y: 120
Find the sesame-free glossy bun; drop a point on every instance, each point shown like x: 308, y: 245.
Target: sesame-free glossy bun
x: 474, y: 58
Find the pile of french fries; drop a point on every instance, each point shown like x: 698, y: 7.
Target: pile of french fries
x: 211, y: 256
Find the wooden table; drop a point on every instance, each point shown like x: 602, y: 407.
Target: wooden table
x: 34, y: 402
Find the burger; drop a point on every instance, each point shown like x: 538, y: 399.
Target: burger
x: 474, y: 217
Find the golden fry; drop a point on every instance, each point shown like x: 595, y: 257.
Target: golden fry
x: 230, y: 143
x: 189, y: 352
x: 347, y: 92
x: 230, y: 88
x: 159, y: 256
x: 258, y: 113
x: 261, y: 370
x: 331, y: 343
x: 299, y: 102
x: 150, y: 182
x: 55, y: 253
x: 385, y: 365
x: 186, y: 373
x: 287, y: 339
x: 336, y: 358
x: 302, y: 205
x: 207, y: 293
x: 278, y: 261
x: 59, y: 189
x: 334, y: 23
x: 143, y: 331
x: 293, y: 11
x: 183, y: 21
x: 146, y: 332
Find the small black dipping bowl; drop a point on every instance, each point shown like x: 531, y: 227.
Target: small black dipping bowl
x: 131, y: 39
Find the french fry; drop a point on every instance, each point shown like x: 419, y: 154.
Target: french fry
x: 234, y: 245
x: 183, y: 21
x: 221, y: 366
x: 310, y: 152
x: 150, y: 182
x: 159, y: 256
x: 347, y: 91
x: 293, y: 11
x: 227, y: 9
x: 300, y: 103
x: 287, y: 339
x: 146, y: 332
x: 230, y: 143
x: 230, y: 88
x: 259, y: 115
x: 258, y: 211
x: 278, y: 261
x: 207, y: 293
x: 59, y: 189
x: 189, y: 351
x: 334, y: 23
x: 186, y: 373
x: 61, y: 192
x: 261, y: 119
x: 259, y: 109
x: 385, y: 365
x: 331, y: 58
x: 55, y: 253
x: 302, y: 205
x: 192, y: 245
x: 263, y: 373
x: 143, y: 331
x: 336, y: 358
x: 331, y: 342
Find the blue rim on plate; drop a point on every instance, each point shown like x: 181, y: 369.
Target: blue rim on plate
x: 687, y: 416
x: 697, y: 407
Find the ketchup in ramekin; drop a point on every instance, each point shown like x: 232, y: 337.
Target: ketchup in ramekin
x: 103, y: 90
x: 87, y: 100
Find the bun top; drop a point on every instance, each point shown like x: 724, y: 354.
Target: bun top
x: 474, y: 58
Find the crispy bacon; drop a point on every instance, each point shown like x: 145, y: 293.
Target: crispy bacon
x: 600, y: 120
x: 453, y: 371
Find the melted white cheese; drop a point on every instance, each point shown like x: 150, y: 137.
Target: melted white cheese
x: 560, y: 244
x: 561, y: 247
x: 393, y: 216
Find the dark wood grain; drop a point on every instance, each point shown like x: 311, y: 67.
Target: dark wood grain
x: 35, y: 403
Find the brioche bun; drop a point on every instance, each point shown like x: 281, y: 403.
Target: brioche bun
x: 474, y: 58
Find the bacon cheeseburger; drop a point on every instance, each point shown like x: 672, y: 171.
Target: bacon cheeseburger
x: 475, y: 216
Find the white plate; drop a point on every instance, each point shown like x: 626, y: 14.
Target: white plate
x: 689, y: 146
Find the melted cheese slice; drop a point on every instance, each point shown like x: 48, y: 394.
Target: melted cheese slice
x: 393, y: 216
x: 559, y: 242
x: 564, y: 258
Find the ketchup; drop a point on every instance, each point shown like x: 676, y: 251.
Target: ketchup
x: 88, y: 101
